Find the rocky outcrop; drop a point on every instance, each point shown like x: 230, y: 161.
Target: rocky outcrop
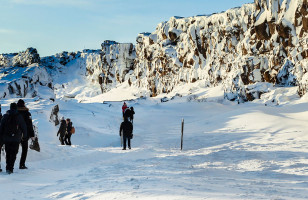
x: 54, y: 115
x: 21, y: 74
x: 22, y: 59
x: 261, y: 42
x: 117, y: 64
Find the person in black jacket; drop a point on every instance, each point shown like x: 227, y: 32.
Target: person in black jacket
x: 24, y: 111
x: 13, y: 129
x: 126, y: 130
x: 68, y: 134
x: 62, y: 130
x: 132, y: 112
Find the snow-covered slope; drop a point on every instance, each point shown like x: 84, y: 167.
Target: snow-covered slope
x: 231, y: 151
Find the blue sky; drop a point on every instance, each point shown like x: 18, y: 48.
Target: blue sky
x: 53, y: 26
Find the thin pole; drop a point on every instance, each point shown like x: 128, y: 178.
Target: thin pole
x: 182, y: 134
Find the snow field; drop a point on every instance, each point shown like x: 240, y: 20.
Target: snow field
x: 245, y: 151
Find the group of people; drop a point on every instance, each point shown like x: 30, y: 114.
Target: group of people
x: 65, y: 131
x: 128, y: 112
x: 16, y: 129
x: 126, y: 128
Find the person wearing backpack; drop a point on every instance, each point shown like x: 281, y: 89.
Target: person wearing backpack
x: 13, y: 129
x: 62, y: 130
x: 126, y: 130
x: 68, y: 135
x: 24, y: 111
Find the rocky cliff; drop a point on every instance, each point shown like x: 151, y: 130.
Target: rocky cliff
x: 261, y: 42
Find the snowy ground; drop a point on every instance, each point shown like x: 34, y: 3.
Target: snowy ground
x: 231, y: 151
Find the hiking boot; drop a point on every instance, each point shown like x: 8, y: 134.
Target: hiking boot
x: 23, y: 167
x: 9, y: 171
x: 129, y: 147
x: 124, y: 149
x: 0, y: 170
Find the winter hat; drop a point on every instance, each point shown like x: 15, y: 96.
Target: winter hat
x: 62, y: 118
x: 20, y: 103
x: 13, y: 106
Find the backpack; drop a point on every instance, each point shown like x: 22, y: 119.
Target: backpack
x: 12, y: 125
x: 73, y: 130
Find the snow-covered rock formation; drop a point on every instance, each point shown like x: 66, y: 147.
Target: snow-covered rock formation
x: 261, y: 42
x: 117, y: 64
x: 21, y: 75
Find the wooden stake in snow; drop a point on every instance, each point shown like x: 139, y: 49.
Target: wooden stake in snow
x: 182, y: 134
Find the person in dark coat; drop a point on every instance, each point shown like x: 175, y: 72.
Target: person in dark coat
x: 68, y: 134
x: 62, y: 131
x: 24, y: 111
x: 13, y: 129
x: 131, y: 114
x: 126, y: 130
x: 1, y: 140
x: 127, y: 113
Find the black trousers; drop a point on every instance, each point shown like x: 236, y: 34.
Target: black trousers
x: 68, y: 139
x: 124, y: 142
x: 62, y: 139
x: 11, y: 150
x: 24, y: 152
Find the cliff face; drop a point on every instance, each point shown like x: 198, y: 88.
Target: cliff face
x: 117, y: 65
x: 261, y: 42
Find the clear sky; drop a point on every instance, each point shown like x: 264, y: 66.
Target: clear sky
x: 53, y: 26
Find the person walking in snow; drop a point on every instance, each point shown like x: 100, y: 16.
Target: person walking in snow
x: 131, y: 115
x: 124, y: 108
x: 68, y: 134
x: 13, y: 129
x: 62, y: 131
x: 126, y: 132
x: 24, y: 111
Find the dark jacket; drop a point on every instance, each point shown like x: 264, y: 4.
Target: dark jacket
x: 1, y: 138
x: 24, y: 111
x: 62, y: 128
x: 22, y: 130
x: 132, y: 112
x: 69, y: 128
x: 127, y: 128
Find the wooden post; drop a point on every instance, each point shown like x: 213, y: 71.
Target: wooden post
x: 182, y: 134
